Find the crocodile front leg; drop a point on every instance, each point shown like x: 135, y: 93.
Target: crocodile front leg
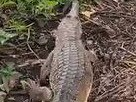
x: 45, y: 69
x: 38, y: 93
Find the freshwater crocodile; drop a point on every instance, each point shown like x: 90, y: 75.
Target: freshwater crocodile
x: 68, y: 65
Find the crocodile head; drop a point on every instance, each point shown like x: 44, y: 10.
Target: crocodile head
x: 74, y: 12
x: 70, y: 27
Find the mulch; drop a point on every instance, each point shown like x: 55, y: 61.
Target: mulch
x: 111, y: 32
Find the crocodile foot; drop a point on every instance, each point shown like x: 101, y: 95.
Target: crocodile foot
x: 38, y: 93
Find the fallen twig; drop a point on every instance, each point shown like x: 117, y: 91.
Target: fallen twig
x: 21, y: 92
x: 32, y: 62
x: 30, y: 46
x: 115, y: 89
x: 133, y: 54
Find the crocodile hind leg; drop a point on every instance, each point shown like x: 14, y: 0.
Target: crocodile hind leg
x: 87, y: 81
x: 46, y: 67
x: 92, y: 56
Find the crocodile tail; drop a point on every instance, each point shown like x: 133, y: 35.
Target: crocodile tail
x: 75, y: 9
x: 62, y: 98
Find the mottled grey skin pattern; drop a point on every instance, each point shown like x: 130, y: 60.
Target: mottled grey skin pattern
x: 71, y: 74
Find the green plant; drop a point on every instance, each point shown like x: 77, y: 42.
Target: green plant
x: 8, y: 76
x: 5, y: 36
x: 46, y: 7
x: 4, y: 1
x: 5, y: 74
x: 17, y: 20
x: 36, y: 7
x: 27, y: 6
x: 7, y: 4
x: 18, y: 26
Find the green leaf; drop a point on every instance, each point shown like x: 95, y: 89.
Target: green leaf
x: 8, y: 4
x: 7, y: 72
x: 46, y: 7
x: 51, y: 4
x: 17, y: 26
x: 8, y: 76
x: 5, y: 36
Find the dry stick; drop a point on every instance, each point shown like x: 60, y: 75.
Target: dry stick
x: 31, y: 62
x: 133, y: 54
x: 28, y: 37
x: 115, y: 76
x: 92, y: 21
x: 89, y: 20
x: 104, y: 83
x: 21, y: 92
x: 114, y: 90
x: 114, y: 15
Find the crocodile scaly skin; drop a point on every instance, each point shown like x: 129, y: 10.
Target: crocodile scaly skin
x: 71, y: 74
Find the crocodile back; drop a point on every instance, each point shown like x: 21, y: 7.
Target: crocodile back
x: 69, y: 73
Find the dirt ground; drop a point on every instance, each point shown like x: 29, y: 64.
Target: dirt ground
x: 110, y: 32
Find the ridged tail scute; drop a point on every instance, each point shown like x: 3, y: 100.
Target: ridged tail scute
x: 75, y: 9
x: 62, y: 98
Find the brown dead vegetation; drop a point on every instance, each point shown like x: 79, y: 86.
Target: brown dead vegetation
x: 112, y: 33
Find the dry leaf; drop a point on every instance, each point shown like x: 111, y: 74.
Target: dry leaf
x: 25, y: 84
x: 88, y: 13
x: 131, y: 64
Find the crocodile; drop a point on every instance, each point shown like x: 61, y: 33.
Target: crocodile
x: 69, y: 64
